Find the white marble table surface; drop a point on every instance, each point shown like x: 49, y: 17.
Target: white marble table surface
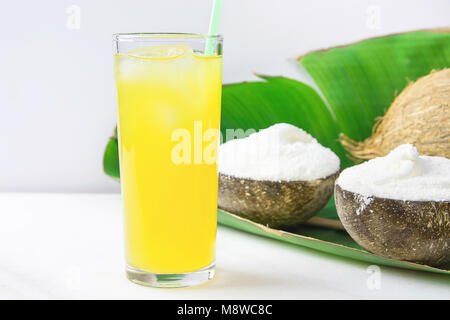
x: 70, y: 246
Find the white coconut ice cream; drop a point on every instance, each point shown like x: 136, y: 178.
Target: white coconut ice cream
x: 401, y: 175
x: 281, y: 152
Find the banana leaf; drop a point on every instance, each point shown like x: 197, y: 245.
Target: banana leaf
x: 325, y: 240
x: 359, y: 82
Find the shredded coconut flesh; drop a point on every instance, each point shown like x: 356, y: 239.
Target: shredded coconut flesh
x: 281, y: 152
x: 401, y: 175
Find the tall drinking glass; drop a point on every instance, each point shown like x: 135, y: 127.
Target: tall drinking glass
x: 169, y: 95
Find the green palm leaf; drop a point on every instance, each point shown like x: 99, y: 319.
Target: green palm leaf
x: 325, y: 240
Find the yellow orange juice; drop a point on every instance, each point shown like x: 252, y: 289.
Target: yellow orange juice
x: 169, y: 108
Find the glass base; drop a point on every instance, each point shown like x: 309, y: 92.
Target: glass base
x: 175, y: 280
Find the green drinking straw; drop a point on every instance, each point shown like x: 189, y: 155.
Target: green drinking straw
x: 213, y: 27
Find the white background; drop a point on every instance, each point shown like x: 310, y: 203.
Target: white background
x: 57, y: 94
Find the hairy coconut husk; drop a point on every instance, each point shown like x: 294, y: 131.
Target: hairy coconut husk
x: 419, y: 115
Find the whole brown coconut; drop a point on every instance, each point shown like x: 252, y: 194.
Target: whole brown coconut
x: 417, y: 231
x: 419, y: 115
x: 274, y: 203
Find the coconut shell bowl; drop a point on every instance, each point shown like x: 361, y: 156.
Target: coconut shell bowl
x: 416, y: 231
x: 274, y: 203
